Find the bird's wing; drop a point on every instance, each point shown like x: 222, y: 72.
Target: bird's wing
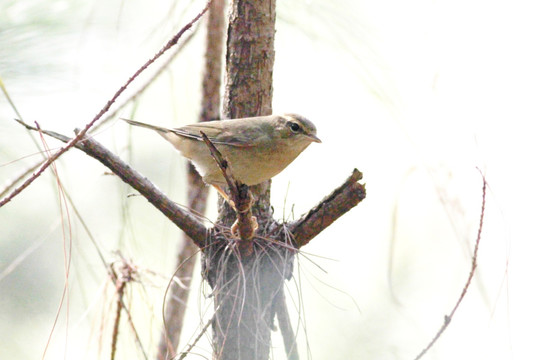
x: 219, y: 132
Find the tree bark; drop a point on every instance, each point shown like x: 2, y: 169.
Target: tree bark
x: 245, y: 286
x: 250, y: 58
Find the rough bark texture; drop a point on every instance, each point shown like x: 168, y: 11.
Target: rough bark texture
x: 248, y: 78
x: 245, y: 286
x: 250, y: 58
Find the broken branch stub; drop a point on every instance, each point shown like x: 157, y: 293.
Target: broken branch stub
x: 333, y: 206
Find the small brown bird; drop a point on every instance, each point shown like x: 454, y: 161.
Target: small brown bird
x: 257, y: 148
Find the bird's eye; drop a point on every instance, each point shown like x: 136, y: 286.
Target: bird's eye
x: 294, y: 127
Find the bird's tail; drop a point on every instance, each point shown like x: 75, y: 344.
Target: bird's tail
x: 141, y: 124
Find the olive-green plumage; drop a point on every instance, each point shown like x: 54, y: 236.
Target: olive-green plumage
x: 256, y: 148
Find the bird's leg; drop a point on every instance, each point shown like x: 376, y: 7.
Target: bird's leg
x: 234, y: 227
x: 253, y: 220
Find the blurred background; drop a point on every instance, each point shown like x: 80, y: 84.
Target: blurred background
x: 421, y: 96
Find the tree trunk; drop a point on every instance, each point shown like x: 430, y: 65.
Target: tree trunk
x: 250, y: 58
x: 246, y: 286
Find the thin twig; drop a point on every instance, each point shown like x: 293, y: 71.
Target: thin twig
x: 448, y: 318
x: 127, y: 273
x: 180, y: 217
x: 120, y: 283
x: 241, y: 197
x: 65, y: 222
x: 164, y: 66
x: 23, y: 175
x: 183, y: 354
x: 223, y: 165
x: 106, y: 108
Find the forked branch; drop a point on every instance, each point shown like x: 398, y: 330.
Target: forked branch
x: 180, y: 217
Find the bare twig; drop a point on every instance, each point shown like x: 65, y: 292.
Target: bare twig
x: 180, y: 217
x: 223, y: 165
x: 164, y: 66
x: 20, y: 177
x: 183, y: 354
x: 241, y: 197
x: 328, y: 210
x: 106, y: 108
x: 120, y: 277
x: 448, y: 318
x: 120, y: 281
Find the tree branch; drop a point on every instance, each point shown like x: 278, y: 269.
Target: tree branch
x: 105, y: 108
x: 180, y: 217
x: 113, y: 114
x: 328, y: 210
x: 474, y: 262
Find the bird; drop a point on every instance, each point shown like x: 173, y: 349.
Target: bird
x: 256, y: 148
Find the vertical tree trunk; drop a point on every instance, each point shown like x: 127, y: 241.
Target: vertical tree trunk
x: 248, y: 83
x: 245, y: 287
x: 250, y: 58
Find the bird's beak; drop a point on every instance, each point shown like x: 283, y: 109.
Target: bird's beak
x: 314, y: 138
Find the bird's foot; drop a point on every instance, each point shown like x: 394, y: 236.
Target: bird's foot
x: 254, y: 226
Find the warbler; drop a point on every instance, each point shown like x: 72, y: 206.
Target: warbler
x: 256, y: 148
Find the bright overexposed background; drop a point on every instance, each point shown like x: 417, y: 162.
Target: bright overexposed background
x: 421, y: 96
